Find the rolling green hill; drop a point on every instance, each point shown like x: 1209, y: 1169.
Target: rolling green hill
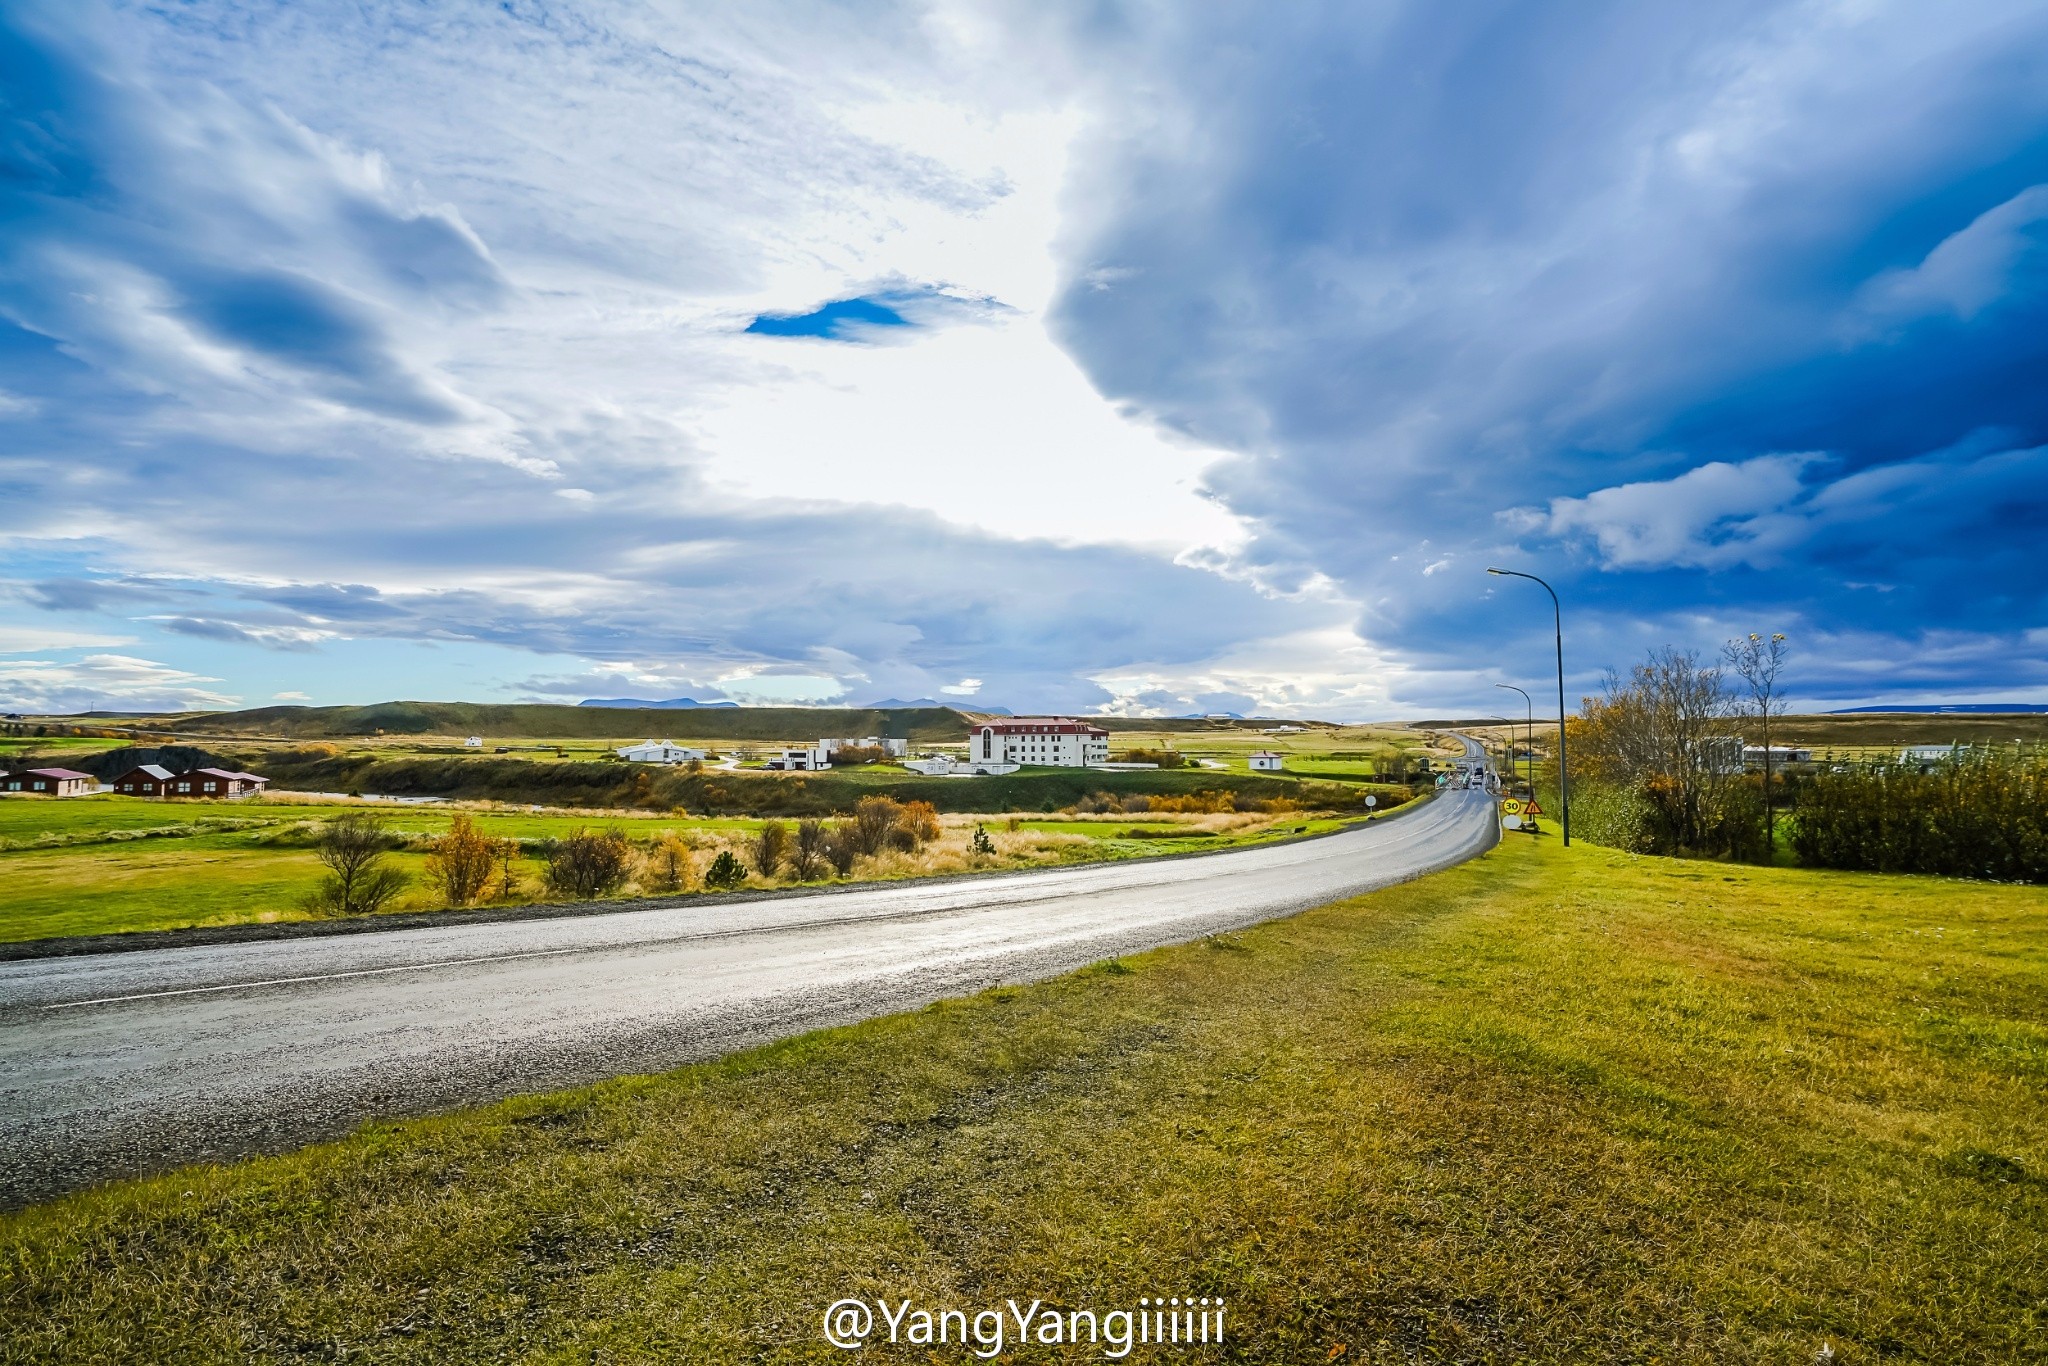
x: 531, y: 721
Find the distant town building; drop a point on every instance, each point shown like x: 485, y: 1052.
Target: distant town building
x: 661, y: 752
x: 1778, y: 754
x: 1266, y: 761
x: 1283, y: 730
x: 150, y: 780
x: 474, y: 742
x: 1048, y: 741
x: 811, y: 760
x: 942, y: 766
x: 891, y: 746
x: 49, y: 782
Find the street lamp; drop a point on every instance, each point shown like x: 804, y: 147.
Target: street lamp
x: 1528, y: 725
x: 1564, y: 792
x: 1509, y: 748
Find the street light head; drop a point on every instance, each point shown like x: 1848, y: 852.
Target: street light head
x: 1494, y: 571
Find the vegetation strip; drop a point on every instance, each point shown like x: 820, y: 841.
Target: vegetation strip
x: 1547, y: 1106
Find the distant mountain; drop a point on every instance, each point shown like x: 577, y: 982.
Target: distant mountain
x: 898, y: 704
x: 673, y: 704
x: 1957, y: 708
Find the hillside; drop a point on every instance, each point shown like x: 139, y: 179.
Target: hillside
x: 535, y: 721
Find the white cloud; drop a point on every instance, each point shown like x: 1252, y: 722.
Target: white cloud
x: 291, y: 695
x: 105, y: 682
x: 1713, y: 515
x: 16, y: 640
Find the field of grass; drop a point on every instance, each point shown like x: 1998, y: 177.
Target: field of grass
x: 1550, y: 1106
x: 111, y: 865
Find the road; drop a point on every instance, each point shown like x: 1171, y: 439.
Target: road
x: 119, y: 1063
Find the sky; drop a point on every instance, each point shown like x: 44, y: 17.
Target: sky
x: 1142, y: 358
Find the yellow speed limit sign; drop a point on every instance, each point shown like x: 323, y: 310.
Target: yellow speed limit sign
x: 1511, y: 807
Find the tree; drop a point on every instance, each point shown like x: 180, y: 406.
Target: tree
x: 508, y: 869
x: 768, y: 848
x: 588, y: 864
x: 983, y: 845
x: 725, y: 871
x: 1757, y: 662
x: 808, y: 856
x: 359, y: 881
x: 1661, y: 732
x: 461, y: 861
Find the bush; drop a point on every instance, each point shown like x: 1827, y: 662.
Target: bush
x: 983, y: 845
x: 588, y: 864
x: 669, y: 862
x: 726, y: 872
x: 1984, y: 816
x: 874, y: 818
x: 1164, y: 758
x: 460, y: 862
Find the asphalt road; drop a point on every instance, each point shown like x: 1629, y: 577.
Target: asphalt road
x: 118, y: 1063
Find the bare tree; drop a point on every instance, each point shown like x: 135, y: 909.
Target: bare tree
x: 1757, y: 661
x: 359, y: 881
x: 809, y: 853
x: 768, y: 847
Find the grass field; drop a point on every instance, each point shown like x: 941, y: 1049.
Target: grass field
x: 111, y: 865
x: 1550, y: 1106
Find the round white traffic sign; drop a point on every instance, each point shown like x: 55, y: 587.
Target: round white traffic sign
x: 1371, y: 800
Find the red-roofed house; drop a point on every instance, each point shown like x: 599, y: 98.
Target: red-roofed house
x: 216, y: 782
x: 150, y: 780
x: 49, y: 782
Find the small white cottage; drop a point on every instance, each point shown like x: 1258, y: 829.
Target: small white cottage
x: 1265, y: 761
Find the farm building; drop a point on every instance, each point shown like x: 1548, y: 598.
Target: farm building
x: 50, y: 782
x: 473, y: 742
x: 661, y: 752
x: 150, y: 780
x: 1266, y: 761
x: 1047, y: 741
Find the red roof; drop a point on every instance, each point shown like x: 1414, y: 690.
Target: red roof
x: 1041, y: 725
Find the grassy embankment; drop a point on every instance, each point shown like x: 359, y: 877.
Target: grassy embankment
x: 109, y: 865
x: 1549, y: 1106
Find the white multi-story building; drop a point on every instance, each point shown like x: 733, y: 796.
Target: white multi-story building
x: 660, y: 752
x: 813, y: 760
x: 1047, y: 741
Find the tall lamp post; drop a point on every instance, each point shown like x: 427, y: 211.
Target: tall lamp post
x: 1529, y: 727
x: 1509, y: 750
x: 1564, y: 791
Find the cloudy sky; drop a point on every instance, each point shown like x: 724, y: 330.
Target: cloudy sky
x: 1139, y: 357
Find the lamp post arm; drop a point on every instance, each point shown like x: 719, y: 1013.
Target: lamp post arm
x: 1564, y: 793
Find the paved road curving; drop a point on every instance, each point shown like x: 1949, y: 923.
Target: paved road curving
x: 112, y: 1064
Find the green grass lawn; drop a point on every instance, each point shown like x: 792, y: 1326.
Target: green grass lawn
x: 1549, y: 1106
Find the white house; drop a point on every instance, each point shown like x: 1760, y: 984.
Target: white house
x: 1043, y: 741
x: 940, y: 766
x: 660, y: 752
x: 1266, y: 761
x: 473, y: 742
x: 891, y: 746
x: 801, y: 760
x: 1779, y: 754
